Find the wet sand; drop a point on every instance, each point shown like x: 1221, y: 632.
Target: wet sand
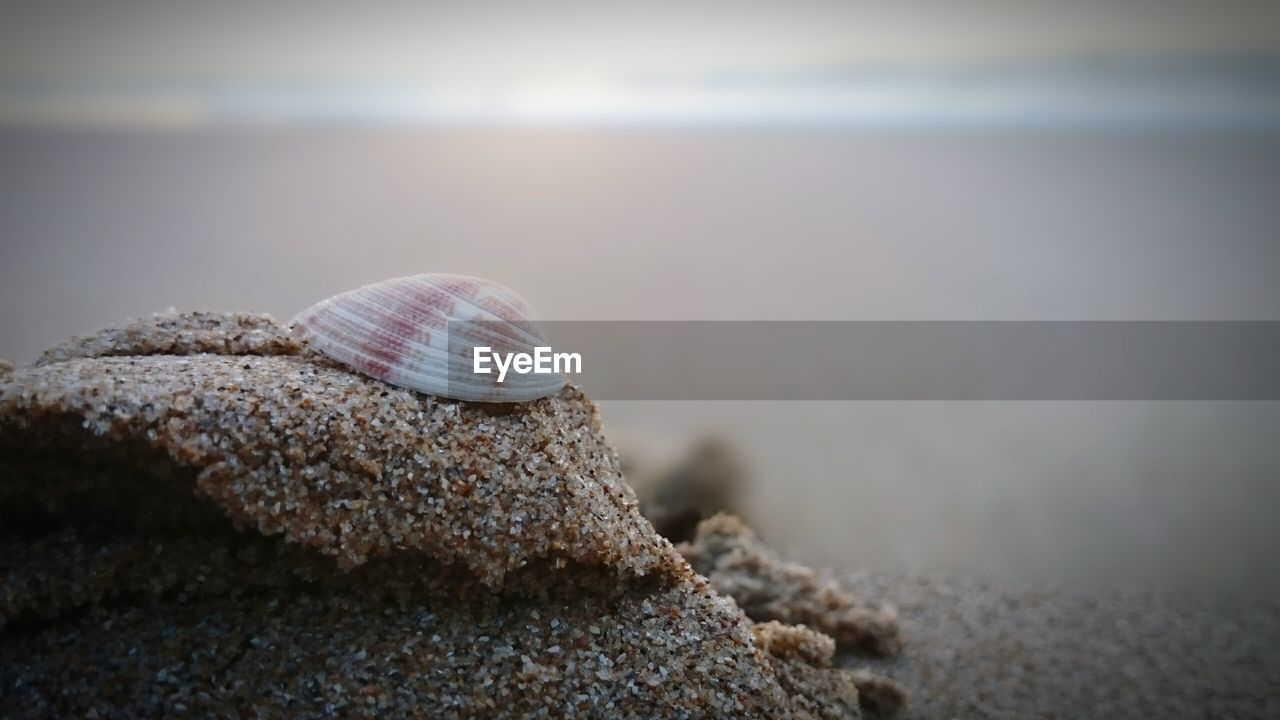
x: 979, y: 649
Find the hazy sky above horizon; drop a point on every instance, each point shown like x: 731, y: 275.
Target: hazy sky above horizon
x: 181, y: 59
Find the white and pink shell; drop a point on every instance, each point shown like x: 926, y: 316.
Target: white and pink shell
x: 419, y: 332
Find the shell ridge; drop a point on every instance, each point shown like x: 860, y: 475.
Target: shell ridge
x: 398, y: 331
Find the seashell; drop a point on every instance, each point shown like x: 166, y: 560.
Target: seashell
x: 420, y: 332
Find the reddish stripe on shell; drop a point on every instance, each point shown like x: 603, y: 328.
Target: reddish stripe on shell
x: 385, y: 345
x: 422, y: 299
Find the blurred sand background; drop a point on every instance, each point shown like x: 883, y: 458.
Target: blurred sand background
x: 126, y: 199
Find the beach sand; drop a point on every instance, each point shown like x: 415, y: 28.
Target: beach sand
x: 350, y: 548
x: 981, y: 649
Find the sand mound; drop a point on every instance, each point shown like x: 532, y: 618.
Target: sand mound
x: 343, y: 463
x: 267, y: 534
x: 769, y: 588
x: 182, y: 334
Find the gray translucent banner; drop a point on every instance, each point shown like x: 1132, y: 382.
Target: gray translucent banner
x: 787, y: 360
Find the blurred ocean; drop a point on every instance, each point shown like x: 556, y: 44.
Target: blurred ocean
x: 1212, y: 92
x: 989, y: 222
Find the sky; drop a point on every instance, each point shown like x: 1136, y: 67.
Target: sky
x: 183, y: 62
